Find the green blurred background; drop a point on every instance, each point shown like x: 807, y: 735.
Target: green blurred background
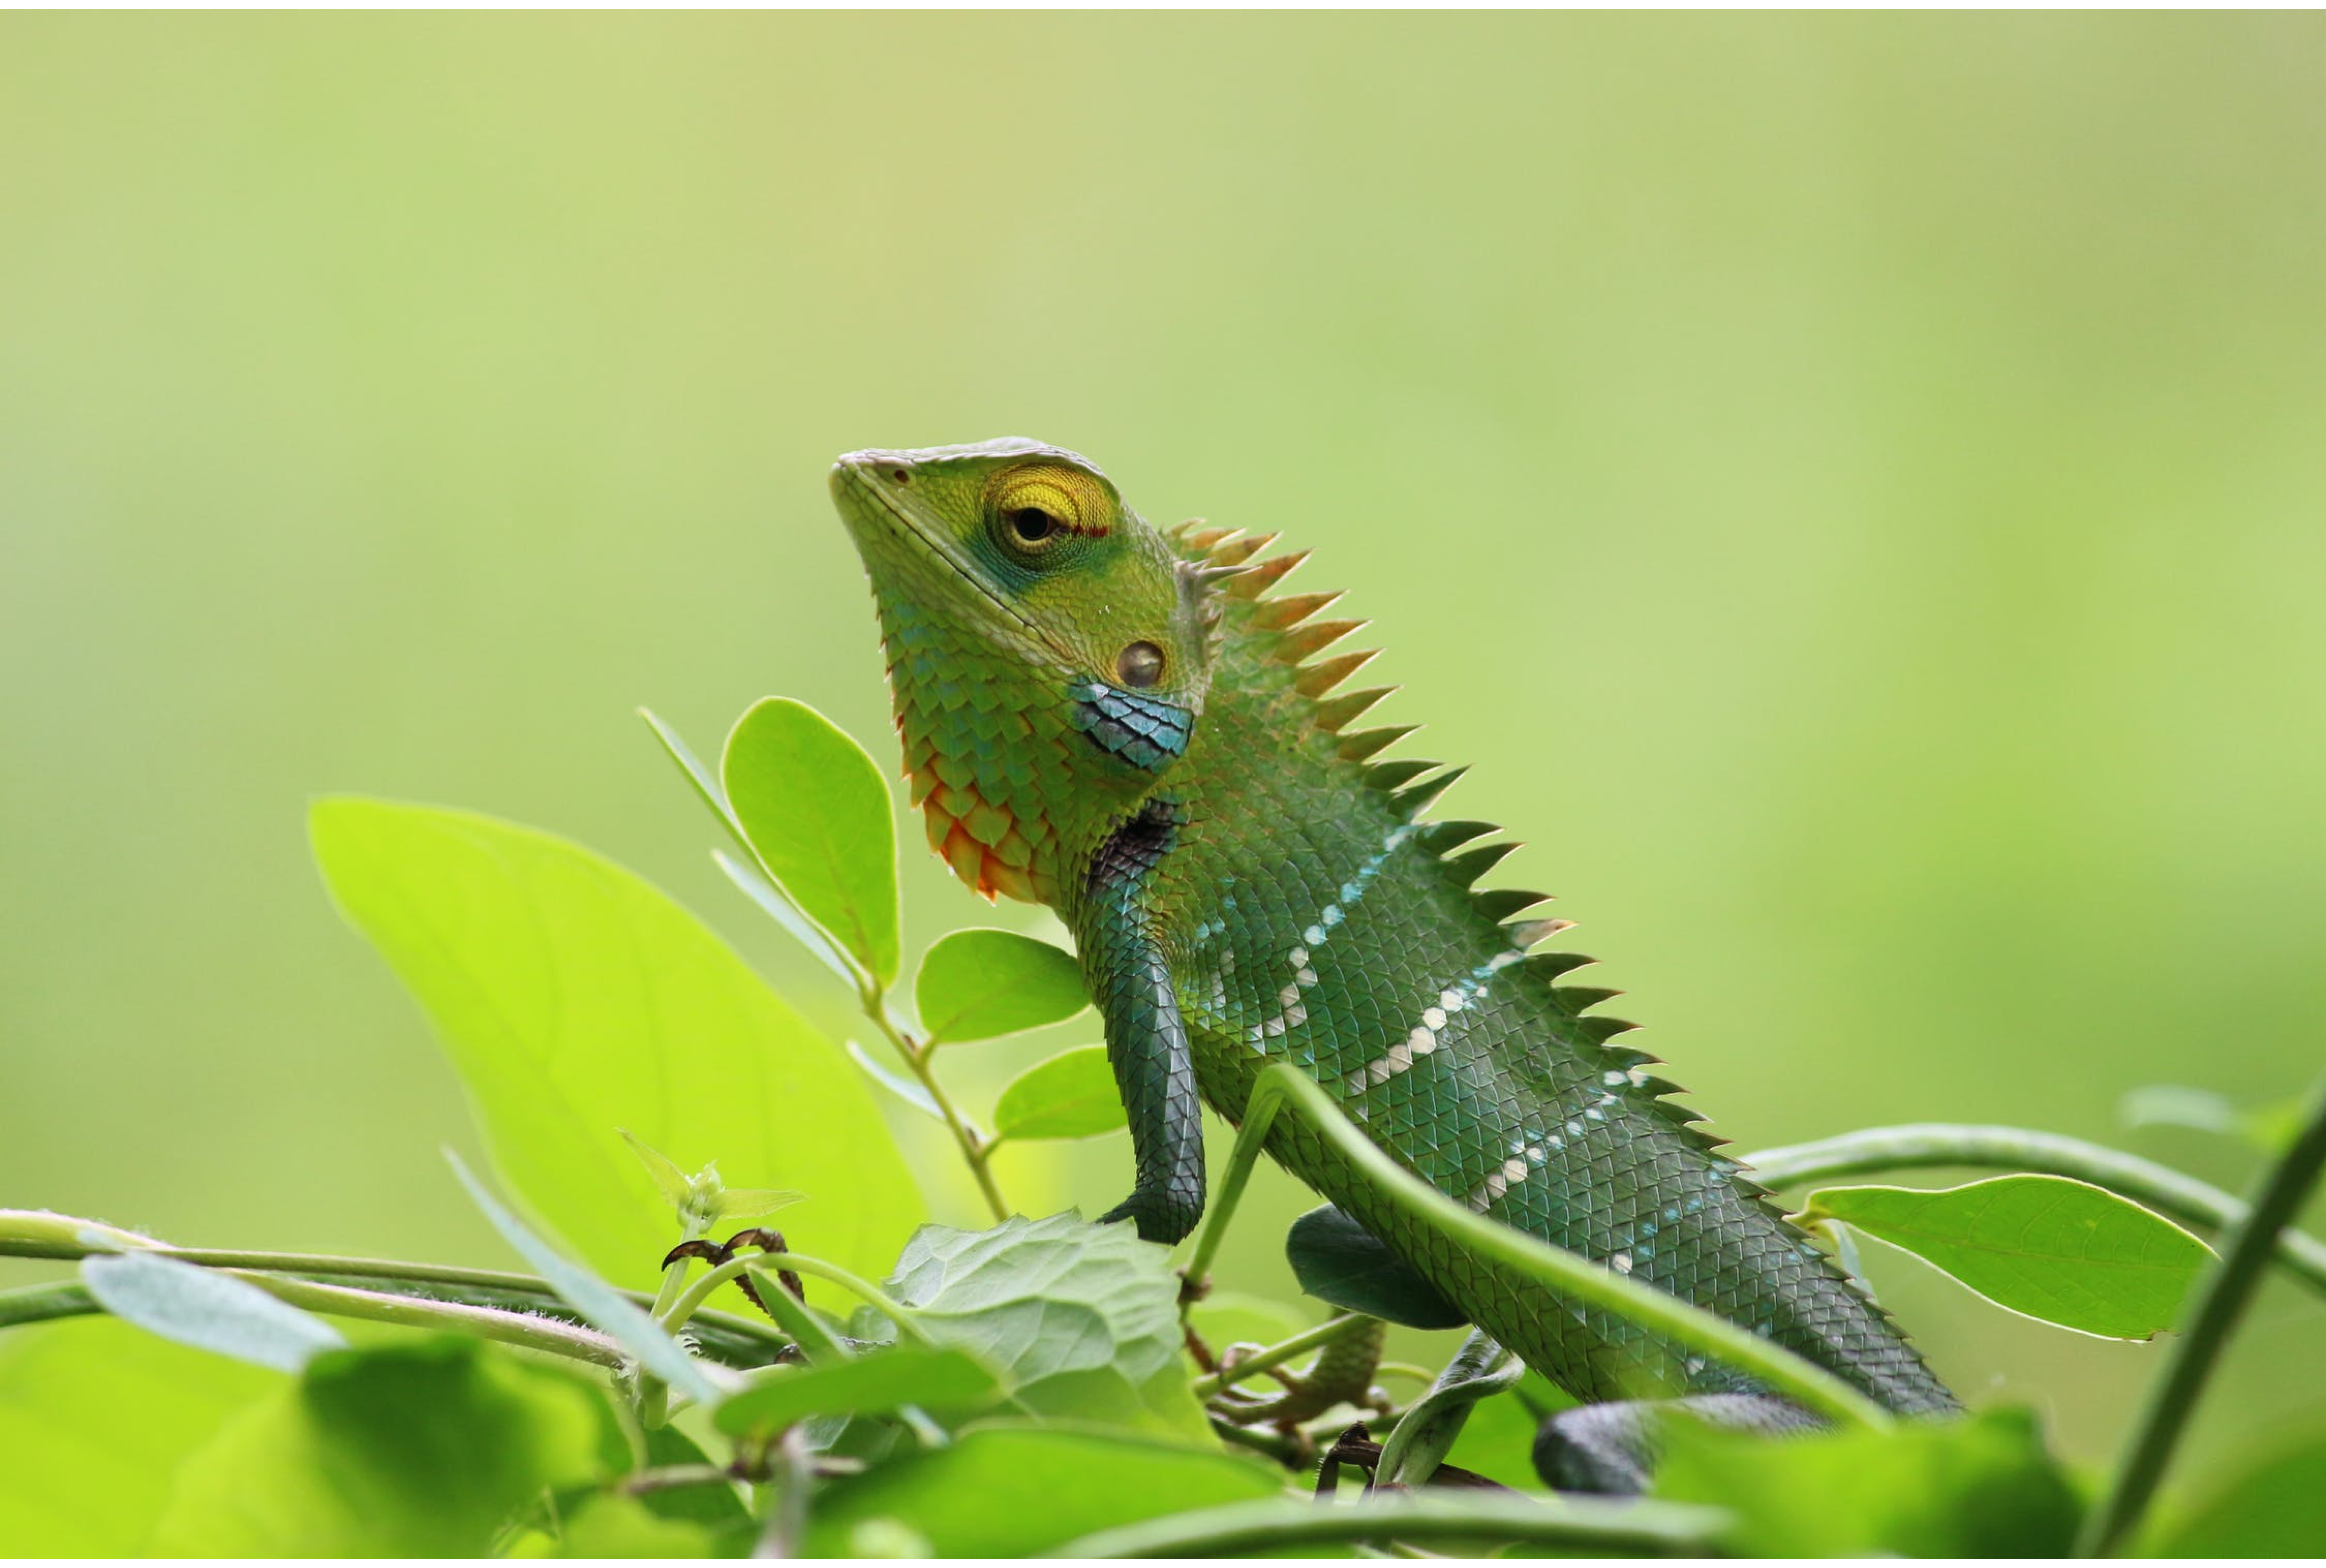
x: 1853, y: 486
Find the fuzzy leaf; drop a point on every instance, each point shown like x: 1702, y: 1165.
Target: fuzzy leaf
x: 2048, y: 1246
x: 873, y: 1385
x: 812, y: 803
x: 1072, y: 1095
x: 1337, y: 1260
x: 982, y: 983
x: 1081, y: 1319
x: 574, y: 999
x: 208, y: 1309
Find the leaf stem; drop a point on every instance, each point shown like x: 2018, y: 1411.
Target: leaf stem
x: 1922, y: 1145
x: 2245, y: 1257
x: 695, y: 1295
x: 1276, y: 1355
x: 976, y: 1148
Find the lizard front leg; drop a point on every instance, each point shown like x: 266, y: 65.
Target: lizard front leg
x: 1146, y: 1042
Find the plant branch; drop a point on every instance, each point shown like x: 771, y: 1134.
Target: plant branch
x: 1275, y: 1355
x: 976, y: 1148
x: 1269, y: 1524
x: 2245, y: 1255
x: 1923, y: 1145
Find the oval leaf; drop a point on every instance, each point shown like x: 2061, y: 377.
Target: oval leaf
x: 873, y: 1385
x: 1072, y: 1095
x: 977, y: 984
x: 1339, y: 1261
x: 208, y: 1309
x: 576, y: 1000
x: 812, y: 803
x: 2047, y: 1247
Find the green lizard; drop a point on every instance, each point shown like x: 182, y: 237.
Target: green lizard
x: 1128, y: 727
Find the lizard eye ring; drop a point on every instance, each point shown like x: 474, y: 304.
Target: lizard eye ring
x: 1139, y: 664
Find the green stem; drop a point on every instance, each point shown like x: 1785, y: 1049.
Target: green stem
x: 2245, y: 1257
x: 1923, y: 1145
x: 486, y: 1288
x: 689, y: 1302
x: 518, y: 1328
x: 1272, y: 1524
x: 976, y: 1148
x: 1276, y: 1355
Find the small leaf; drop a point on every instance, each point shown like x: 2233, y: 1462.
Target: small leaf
x: 772, y: 902
x: 605, y: 1308
x: 1008, y: 1491
x: 416, y: 1450
x: 675, y: 1184
x: 813, y: 804
x: 896, y: 1083
x: 2047, y: 1247
x: 873, y: 1385
x: 208, y: 1309
x: 2274, y: 1506
x: 743, y: 1203
x: 1072, y: 1095
x: 1337, y: 1260
x: 1081, y: 1319
x: 981, y: 983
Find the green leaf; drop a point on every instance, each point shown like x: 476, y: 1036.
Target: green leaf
x: 208, y: 1311
x: 604, y: 1525
x: 904, y: 1089
x: 1072, y: 1095
x: 2048, y: 1246
x: 873, y: 1385
x: 813, y: 805
x: 741, y: 1205
x: 982, y: 983
x: 1337, y: 1260
x: 575, y: 999
x: 424, y: 1449
x: 95, y: 1417
x: 676, y: 1185
x: 605, y: 1308
x: 2272, y: 1507
x: 772, y: 903
x: 1980, y: 1487
x: 1081, y: 1319
x: 1012, y: 1490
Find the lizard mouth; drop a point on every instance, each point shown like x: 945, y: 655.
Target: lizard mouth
x: 864, y: 497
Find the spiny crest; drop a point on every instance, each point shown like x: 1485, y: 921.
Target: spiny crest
x: 1221, y: 565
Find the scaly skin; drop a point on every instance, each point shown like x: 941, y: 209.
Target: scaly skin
x: 1101, y: 717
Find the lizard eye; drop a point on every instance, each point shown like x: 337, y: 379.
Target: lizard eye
x: 1032, y: 525
x: 1139, y: 664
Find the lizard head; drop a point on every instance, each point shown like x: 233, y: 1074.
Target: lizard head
x: 1048, y: 648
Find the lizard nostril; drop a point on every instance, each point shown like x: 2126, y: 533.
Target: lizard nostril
x: 902, y: 476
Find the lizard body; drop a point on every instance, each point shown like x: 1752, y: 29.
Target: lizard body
x: 1130, y: 727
